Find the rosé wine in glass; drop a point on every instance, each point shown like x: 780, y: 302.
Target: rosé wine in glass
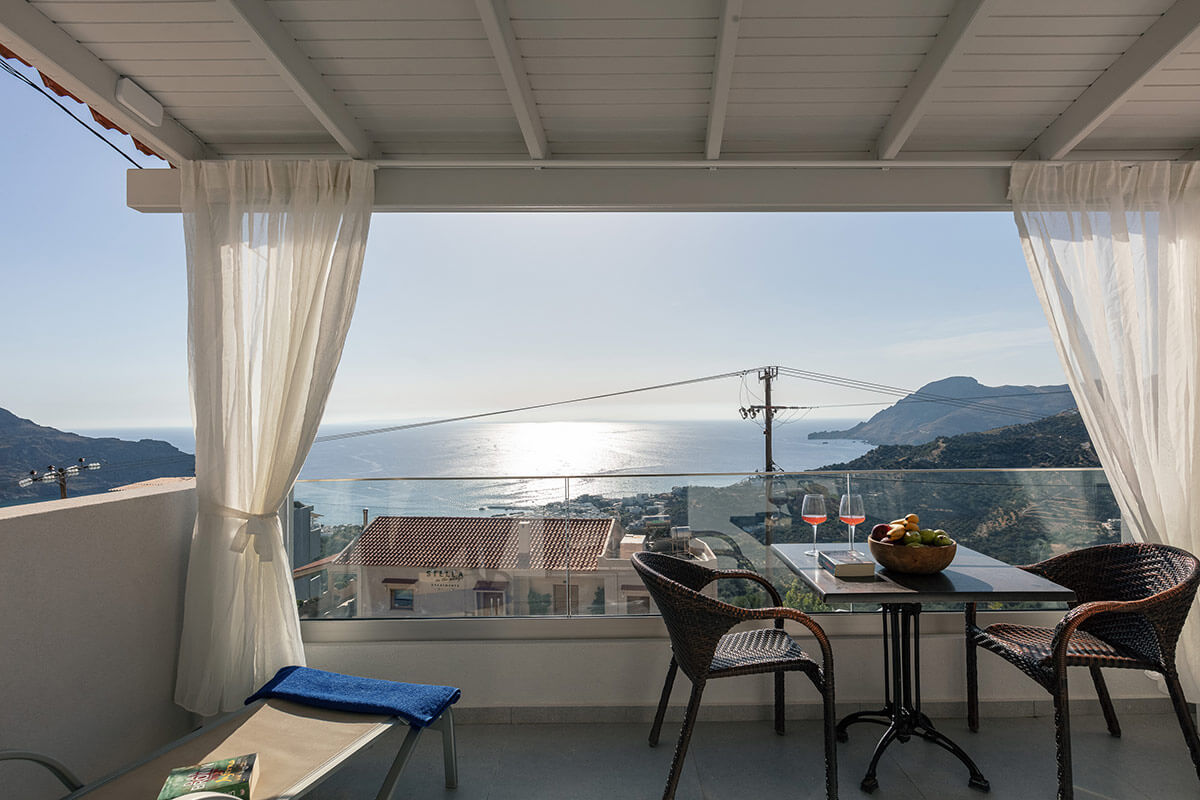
x: 812, y: 511
x: 851, y: 512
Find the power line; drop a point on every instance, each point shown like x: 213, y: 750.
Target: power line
x: 913, y: 394
x: 852, y: 383
x: 25, y: 80
x: 744, y: 390
x: 353, y: 434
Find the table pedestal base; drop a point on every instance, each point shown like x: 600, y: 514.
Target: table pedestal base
x: 901, y: 712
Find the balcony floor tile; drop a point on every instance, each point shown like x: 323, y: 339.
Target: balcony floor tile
x: 745, y: 759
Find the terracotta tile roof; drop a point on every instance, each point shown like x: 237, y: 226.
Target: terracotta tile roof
x: 314, y: 566
x: 59, y: 90
x: 152, y: 482
x: 479, y: 542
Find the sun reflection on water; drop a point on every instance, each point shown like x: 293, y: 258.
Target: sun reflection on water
x: 561, y: 448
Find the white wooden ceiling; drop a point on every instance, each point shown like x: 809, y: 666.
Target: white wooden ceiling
x: 635, y: 78
x: 671, y: 82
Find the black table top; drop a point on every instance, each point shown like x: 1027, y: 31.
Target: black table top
x: 972, y: 577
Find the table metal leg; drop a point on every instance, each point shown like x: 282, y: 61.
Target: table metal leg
x: 902, y: 692
x: 884, y: 715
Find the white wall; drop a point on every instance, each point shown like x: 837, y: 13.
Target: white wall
x: 511, y: 668
x: 91, y: 597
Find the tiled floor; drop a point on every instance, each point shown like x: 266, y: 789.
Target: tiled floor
x: 747, y: 760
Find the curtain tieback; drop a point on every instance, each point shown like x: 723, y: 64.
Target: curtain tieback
x: 258, y: 527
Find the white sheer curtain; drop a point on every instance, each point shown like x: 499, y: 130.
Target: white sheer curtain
x: 274, y: 254
x: 1114, y: 252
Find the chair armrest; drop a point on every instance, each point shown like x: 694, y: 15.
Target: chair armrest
x: 1080, y: 613
x: 56, y: 768
x: 750, y: 576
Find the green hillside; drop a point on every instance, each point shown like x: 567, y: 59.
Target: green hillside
x: 1057, y: 441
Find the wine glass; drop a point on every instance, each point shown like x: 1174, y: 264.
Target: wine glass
x: 812, y: 511
x: 850, y: 511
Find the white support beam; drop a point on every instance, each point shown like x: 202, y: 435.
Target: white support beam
x: 1161, y: 40
x: 496, y: 22
x: 654, y: 189
x: 731, y: 20
x: 938, y: 62
x: 1191, y: 155
x: 281, y: 51
x: 29, y: 34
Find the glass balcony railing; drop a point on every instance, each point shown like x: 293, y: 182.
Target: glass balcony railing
x: 560, y: 546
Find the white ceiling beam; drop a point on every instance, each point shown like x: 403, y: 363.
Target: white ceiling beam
x: 1191, y: 155
x: 29, y: 34
x: 1161, y: 40
x: 935, y: 67
x: 498, y: 25
x: 632, y: 189
x: 718, y: 104
x: 281, y: 51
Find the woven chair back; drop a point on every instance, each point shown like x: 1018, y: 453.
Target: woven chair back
x: 695, y: 622
x: 1129, y: 572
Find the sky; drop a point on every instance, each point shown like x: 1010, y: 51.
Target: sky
x: 468, y: 313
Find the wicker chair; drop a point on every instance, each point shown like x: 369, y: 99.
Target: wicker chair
x: 701, y: 645
x: 1132, y: 600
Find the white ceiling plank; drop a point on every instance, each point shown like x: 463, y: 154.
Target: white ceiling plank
x: 118, y: 11
x: 936, y: 66
x: 27, y: 32
x: 615, y: 48
x: 291, y: 10
x: 1160, y: 41
x: 613, y: 9
x: 412, y: 49
x: 650, y: 189
x: 298, y: 71
x: 405, y: 66
x: 718, y: 104
x: 497, y: 24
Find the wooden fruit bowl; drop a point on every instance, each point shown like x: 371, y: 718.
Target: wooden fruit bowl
x: 912, y: 560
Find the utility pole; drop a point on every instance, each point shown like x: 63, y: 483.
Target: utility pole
x: 768, y: 412
x: 768, y: 409
x: 57, y: 475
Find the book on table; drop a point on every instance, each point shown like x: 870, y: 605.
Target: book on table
x: 846, y: 563
x: 232, y: 776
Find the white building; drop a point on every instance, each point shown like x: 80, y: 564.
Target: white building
x: 487, y: 566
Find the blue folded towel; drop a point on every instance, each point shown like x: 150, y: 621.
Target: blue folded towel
x: 419, y: 703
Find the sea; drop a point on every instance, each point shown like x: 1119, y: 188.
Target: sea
x: 485, y: 468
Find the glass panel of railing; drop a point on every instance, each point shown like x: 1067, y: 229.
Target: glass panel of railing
x: 404, y: 548
x: 722, y: 521
x: 731, y: 521
x: 561, y: 546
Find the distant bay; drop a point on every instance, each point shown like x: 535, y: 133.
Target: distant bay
x: 498, y: 450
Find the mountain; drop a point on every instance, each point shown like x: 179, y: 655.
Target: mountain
x: 1053, y: 442
x: 1018, y: 517
x: 25, y: 445
x: 956, y: 405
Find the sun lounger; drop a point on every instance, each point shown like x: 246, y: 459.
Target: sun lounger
x: 298, y: 747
